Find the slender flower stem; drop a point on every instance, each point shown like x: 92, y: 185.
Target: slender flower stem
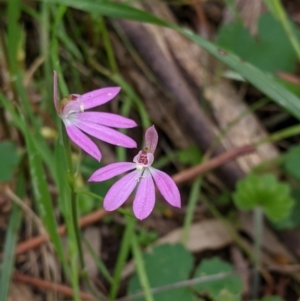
x: 258, y: 219
x: 71, y: 179
x: 122, y: 256
x: 73, y: 196
x: 192, y: 202
x: 141, y: 268
x: 67, y: 146
x: 74, y: 212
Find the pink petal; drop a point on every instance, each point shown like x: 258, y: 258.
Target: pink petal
x: 83, y: 141
x: 111, y: 171
x: 144, y: 200
x: 120, y: 191
x: 106, y: 134
x: 167, y: 187
x: 99, y: 97
x: 151, y: 138
x: 108, y: 119
x: 55, y: 90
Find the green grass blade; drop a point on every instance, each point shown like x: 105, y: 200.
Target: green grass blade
x: 13, y: 32
x: 110, y: 9
x: 65, y: 199
x: 188, y: 220
x: 265, y: 82
x: 7, y: 104
x: 39, y: 143
x: 123, y: 254
x: 42, y: 197
x: 140, y: 268
x: 278, y: 11
x: 10, y: 241
x: 99, y: 263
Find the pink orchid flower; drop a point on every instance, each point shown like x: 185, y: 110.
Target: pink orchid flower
x: 142, y: 176
x: 78, y: 122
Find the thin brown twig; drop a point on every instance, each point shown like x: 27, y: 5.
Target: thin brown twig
x: 99, y: 214
x: 35, y: 242
x: 49, y: 286
x: 292, y: 78
x: 67, y: 291
x: 200, y: 169
x: 203, y: 28
x: 179, y: 178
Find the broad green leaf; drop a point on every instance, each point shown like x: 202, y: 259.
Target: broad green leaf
x: 265, y: 191
x: 270, y: 50
x: 225, y: 295
x: 9, y: 160
x: 279, y: 12
x: 228, y: 288
x: 292, y: 220
x: 191, y: 156
x: 263, y: 81
x: 166, y: 264
x: 292, y: 162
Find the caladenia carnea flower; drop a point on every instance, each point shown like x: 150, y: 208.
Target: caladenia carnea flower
x: 143, y: 176
x: 79, y: 122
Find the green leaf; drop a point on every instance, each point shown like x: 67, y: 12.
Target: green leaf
x: 111, y: 9
x: 270, y: 50
x: 291, y: 32
x: 228, y: 288
x: 191, y: 156
x: 265, y: 191
x: 86, y: 204
x: 292, y: 221
x: 263, y: 81
x: 292, y: 162
x: 9, y: 160
x: 122, y: 256
x: 64, y: 196
x: 166, y: 264
x: 146, y: 237
x: 42, y: 196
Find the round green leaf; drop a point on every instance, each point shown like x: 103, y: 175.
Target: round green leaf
x: 166, y: 264
x: 228, y: 288
x: 265, y: 191
x: 292, y: 162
